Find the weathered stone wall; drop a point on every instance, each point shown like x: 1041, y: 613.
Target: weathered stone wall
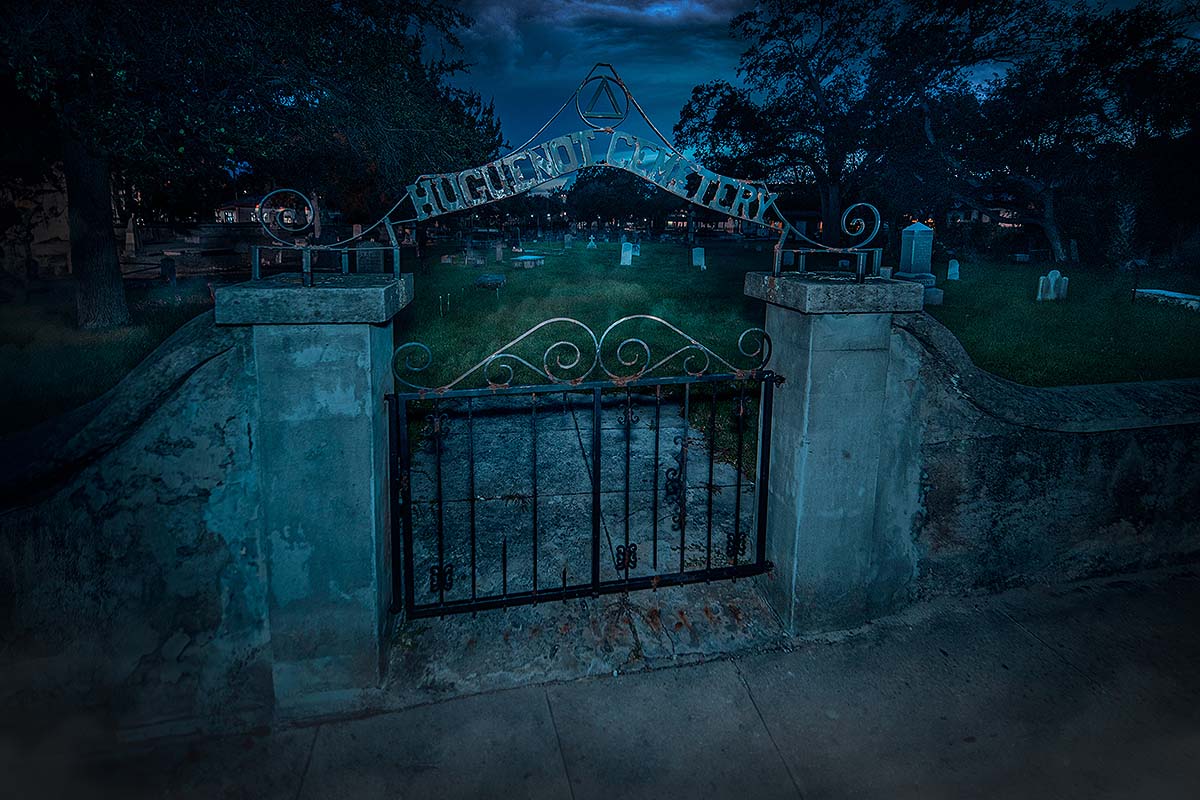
x: 1002, y: 485
x: 132, y: 566
x: 134, y: 575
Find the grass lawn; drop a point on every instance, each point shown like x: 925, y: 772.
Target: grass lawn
x: 48, y: 367
x: 1096, y: 336
x: 589, y: 286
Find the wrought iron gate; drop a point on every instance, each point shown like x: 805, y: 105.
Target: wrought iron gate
x: 585, y: 483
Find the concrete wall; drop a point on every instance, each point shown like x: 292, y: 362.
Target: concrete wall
x: 1001, y: 485
x: 132, y: 564
x: 207, y: 546
x: 136, y: 533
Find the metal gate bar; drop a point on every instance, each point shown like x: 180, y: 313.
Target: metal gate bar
x: 675, y: 489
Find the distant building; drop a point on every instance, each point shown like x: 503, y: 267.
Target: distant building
x: 244, y: 209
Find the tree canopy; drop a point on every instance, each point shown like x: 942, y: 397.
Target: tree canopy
x: 824, y: 83
x: 611, y: 196
x: 345, y: 98
x: 976, y: 103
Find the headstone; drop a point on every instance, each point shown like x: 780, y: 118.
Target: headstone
x: 568, y: 241
x: 916, y: 249
x: 166, y: 269
x: 626, y: 254
x: 952, y: 270
x: 1189, y: 301
x: 447, y: 259
x: 1052, y: 286
x: 132, y: 240
x: 370, y: 260
x: 1021, y: 258
x: 698, y: 257
x: 637, y: 248
x: 1055, y: 278
x: 490, y: 281
x: 923, y: 278
x: 885, y: 272
x: 933, y: 296
x: 591, y: 245
x: 499, y: 253
x: 789, y: 258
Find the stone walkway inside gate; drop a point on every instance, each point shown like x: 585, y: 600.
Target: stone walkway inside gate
x: 457, y: 654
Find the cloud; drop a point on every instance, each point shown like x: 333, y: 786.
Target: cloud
x: 529, y: 56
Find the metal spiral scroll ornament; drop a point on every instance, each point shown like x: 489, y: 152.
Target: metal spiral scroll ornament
x: 854, y: 223
x: 498, y: 371
x: 309, y: 215
x: 567, y: 362
x: 855, y: 226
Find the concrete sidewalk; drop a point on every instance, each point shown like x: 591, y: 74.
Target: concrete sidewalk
x: 1084, y: 691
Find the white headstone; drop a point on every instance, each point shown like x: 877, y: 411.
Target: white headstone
x: 1061, y: 294
x: 952, y: 270
x: 916, y: 248
x: 637, y: 248
x: 1043, y: 290
x: 591, y: 242
x: 626, y: 254
x: 698, y: 257
x: 1053, y: 277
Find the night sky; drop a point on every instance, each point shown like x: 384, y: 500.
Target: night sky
x: 529, y: 56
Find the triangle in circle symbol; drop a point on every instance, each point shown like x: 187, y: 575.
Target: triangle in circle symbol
x: 614, y: 107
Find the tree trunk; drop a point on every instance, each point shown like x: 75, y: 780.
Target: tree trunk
x: 1050, y: 227
x: 100, y: 292
x: 831, y: 214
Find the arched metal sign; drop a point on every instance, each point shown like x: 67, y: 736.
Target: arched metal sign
x: 524, y: 169
x: 602, y: 101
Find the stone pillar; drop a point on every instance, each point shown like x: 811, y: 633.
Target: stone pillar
x: 322, y: 358
x: 831, y: 342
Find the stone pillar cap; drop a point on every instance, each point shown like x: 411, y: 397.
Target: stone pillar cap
x: 331, y: 300
x: 814, y: 293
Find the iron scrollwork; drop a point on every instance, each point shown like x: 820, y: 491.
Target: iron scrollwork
x: 441, y: 579
x: 626, y: 557
x: 605, y: 357
x: 674, y: 488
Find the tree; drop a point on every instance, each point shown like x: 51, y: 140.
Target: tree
x: 162, y: 91
x: 1109, y: 81
x: 616, y: 196
x: 824, y: 84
